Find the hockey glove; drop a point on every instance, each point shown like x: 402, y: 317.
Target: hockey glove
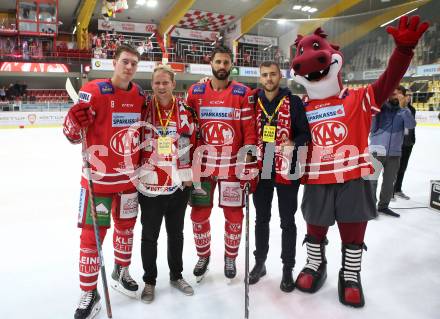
x: 407, y: 34
x: 79, y: 116
x: 250, y: 175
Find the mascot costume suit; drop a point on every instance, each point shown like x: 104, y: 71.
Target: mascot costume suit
x: 338, y: 163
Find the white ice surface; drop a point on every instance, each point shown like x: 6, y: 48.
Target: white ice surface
x: 39, y: 248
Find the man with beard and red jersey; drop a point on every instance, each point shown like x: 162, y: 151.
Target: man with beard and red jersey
x: 105, y: 111
x: 225, y: 112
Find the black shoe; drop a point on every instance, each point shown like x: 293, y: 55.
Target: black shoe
x: 256, y: 273
x: 287, y: 283
x: 388, y: 211
x: 89, y: 305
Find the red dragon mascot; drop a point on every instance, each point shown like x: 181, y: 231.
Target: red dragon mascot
x: 338, y: 164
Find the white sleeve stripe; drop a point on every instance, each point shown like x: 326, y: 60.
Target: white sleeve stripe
x: 246, y: 118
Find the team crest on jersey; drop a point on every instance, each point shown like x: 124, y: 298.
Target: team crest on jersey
x: 325, y: 113
x: 106, y: 88
x: 84, y: 96
x: 217, y: 133
x: 251, y: 99
x: 199, y: 89
x: 125, y: 119
x: 125, y: 142
x: 238, y: 90
x: 330, y: 133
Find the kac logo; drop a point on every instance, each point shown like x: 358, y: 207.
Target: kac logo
x: 217, y: 133
x: 330, y: 133
x: 125, y: 142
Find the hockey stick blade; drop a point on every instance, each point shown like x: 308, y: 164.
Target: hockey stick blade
x: 71, y: 91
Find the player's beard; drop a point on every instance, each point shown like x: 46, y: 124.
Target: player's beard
x: 221, y: 76
x: 271, y: 88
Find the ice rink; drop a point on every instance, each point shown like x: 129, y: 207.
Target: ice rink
x: 40, y: 240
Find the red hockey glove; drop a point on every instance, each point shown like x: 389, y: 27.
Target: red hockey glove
x: 407, y: 34
x: 79, y: 116
x: 250, y: 175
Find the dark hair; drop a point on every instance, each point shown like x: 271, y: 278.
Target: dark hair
x: 269, y: 63
x: 126, y: 48
x: 402, y: 89
x: 221, y: 49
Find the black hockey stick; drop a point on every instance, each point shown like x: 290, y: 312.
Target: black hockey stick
x: 74, y: 96
x: 246, y: 264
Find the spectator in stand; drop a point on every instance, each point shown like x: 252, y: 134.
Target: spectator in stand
x: 386, y: 139
x: 2, y: 93
x: 409, y: 139
x: 246, y: 58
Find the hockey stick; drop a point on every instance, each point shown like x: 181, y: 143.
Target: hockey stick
x: 74, y: 96
x: 246, y: 265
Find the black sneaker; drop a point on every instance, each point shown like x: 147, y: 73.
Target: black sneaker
x: 388, y: 211
x: 89, y: 305
x: 123, y: 282
x: 256, y: 273
x: 287, y: 283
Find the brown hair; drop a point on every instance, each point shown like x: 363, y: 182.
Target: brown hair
x: 221, y: 49
x: 402, y: 89
x: 126, y: 48
x: 164, y: 68
x: 268, y: 64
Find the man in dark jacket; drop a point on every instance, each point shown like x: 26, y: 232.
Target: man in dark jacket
x: 386, y: 139
x: 281, y: 123
x: 409, y: 139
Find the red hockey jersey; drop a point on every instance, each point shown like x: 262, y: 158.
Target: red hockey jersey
x: 339, y: 126
x: 226, y: 122
x: 113, y: 145
x: 163, y: 174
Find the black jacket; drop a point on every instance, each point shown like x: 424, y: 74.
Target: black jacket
x: 299, y: 124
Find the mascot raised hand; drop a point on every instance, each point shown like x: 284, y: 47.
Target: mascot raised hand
x: 338, y: 162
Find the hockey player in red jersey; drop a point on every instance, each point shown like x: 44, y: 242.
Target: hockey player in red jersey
x: 106, y: 110
x: 338, y: 161
x: 225, y: 111
x: 165, y: 180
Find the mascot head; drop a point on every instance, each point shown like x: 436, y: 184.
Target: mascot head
x: 317, y: 65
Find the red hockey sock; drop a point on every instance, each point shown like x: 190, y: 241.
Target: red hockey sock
x: 233, y: 223
x: 123, y: 245
x: 202, y: 230
x: 89, y: 265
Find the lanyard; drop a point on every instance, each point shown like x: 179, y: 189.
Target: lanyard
x: 270, y: 117
x: 164, y: 127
